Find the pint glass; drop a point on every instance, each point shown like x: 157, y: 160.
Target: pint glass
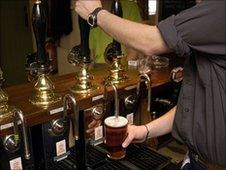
x: 115, y: 134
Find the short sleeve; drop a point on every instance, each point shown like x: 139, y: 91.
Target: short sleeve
x: 200, y: 28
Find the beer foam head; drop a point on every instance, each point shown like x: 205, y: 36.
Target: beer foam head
x: 114, y: 122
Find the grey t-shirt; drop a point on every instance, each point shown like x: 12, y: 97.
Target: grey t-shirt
x: 199, y: 34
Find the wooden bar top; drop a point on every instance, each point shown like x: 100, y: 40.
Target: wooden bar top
x: 19, y: 94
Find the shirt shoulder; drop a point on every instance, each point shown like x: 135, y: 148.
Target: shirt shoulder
x: 201, y: 27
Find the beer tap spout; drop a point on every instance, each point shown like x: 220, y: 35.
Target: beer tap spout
x: 148, y: 85
x: 18, y: 114
x: 116, y: 100
x: 69, y: 98
x: 115, y: 97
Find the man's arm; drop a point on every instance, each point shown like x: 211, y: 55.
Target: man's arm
x: 158, y: 127
x: 162, y: 125
x: 144, y: 38
x: 132, y: 54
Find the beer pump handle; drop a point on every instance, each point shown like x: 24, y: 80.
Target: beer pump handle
x: 84, y: 45
x: 39, y: 27
x: 117, y: 10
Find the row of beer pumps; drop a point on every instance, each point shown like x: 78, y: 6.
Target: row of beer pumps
x: 44, y: 95
x: 79, y: 56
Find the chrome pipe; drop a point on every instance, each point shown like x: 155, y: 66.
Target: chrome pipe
x: 148, y: 85
x: 116, y: 100
x: 18, y: 114
x: 115, y: 96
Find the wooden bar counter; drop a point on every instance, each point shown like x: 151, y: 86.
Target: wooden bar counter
x: 19, y: 94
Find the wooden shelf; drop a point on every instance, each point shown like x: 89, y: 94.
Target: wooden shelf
x: 19, y: 94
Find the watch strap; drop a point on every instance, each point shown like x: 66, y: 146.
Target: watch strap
x: 93, y: 16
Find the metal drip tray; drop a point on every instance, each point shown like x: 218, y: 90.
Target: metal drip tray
x: 145, y: 158
x: 94, y: 156
x: 64, y: 164
x: 112, y: 165
x: 137, y: 157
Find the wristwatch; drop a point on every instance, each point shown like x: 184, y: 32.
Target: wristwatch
x: 92, y: 17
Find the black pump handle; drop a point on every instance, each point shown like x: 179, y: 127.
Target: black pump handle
x: 84, y: 45
x: 39, y: 27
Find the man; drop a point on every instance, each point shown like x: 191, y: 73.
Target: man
x: 199, y: 120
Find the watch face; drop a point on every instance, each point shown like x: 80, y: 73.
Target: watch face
x: 91, y: 20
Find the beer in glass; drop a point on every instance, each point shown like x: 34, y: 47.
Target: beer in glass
x: 115, y: 134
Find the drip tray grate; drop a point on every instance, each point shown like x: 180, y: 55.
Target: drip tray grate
x: 145, y: 158
x: 137, y: 157
x: 111, y: 165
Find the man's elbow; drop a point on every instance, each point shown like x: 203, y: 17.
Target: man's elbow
x: 148, y: 50
x: 155, y: 49
x: 153, y: 43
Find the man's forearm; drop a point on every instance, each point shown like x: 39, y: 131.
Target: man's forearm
x: 144, y: 38
x: 162, y: 125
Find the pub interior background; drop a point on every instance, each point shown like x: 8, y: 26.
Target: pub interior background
x: 17, y: 41
x: 17, y: 38
x: 15, y: 45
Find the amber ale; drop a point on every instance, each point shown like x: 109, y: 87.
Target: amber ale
x: 115, y: 134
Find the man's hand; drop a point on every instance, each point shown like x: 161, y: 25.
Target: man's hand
x: 85, y: 7
x: 136, y: 134
x: 92, y: 126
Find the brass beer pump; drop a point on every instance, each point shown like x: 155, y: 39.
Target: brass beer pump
x: 113, y: 53
x: 44, y: 94
x: 12, y: 142
x: 5, y: 109
x: 80, y: 56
